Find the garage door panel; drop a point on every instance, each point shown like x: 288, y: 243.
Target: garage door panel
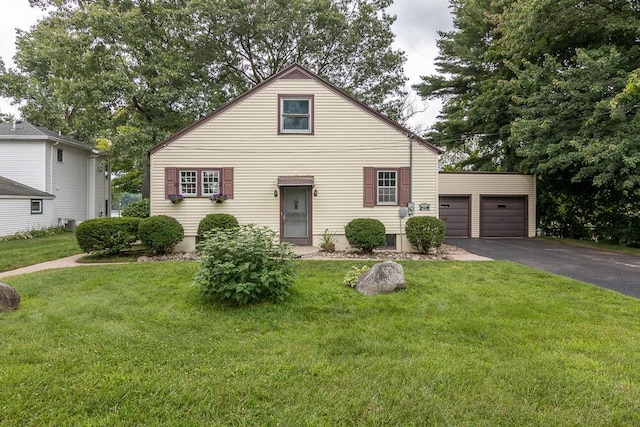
x: 503, y: 216
x: 454, y: 211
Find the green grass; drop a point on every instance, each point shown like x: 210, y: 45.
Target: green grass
x: 478, y: 344
x: 596, y: 245
x: 20, y: 253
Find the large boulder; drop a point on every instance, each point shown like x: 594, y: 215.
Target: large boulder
x: 9, y: 298
x: 382, y: 278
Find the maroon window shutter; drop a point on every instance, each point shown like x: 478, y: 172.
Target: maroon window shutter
x: 369, y: 189
x: 227, y: 182
x: 170, y: 181
x: 405, y: 186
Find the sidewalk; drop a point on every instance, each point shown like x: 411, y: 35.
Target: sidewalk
x: 306, y: 252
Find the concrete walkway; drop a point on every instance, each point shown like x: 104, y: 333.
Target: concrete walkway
x: 306, y: 252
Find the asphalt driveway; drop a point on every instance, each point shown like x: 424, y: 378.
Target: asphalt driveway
x: 618, y: 272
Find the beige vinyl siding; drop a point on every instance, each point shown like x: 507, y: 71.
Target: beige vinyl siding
x: 478, y: 184
x: 245, y: 137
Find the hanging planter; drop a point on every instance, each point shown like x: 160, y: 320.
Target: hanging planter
x: 218, y: 198
x: 175, y: 198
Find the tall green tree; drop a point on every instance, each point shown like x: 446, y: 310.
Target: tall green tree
x: 556, y: 88
x: 133, y: 72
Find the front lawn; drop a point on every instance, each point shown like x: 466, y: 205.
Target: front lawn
x: 21, y: 253
x: 479, y: 344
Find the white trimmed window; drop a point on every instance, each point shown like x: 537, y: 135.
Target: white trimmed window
x: 188, y: 183
x: 210, y: 182
x: 387, y: 187
x: 36, y: 206
x: 296, y: 114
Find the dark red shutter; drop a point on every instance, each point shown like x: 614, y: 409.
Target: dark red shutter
x: 227, y: 182
x: 369, y: 187
x: 170, y: 181
x: 405, y: 186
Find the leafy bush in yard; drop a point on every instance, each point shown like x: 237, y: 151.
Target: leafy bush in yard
x: 425, y: 232
x: 216, y: 221
x: 352, y: 276
x: 139, y: 209
x: 107, y: 235
x: 365, y: 234
x: 244, y: 265
x: 34, y: 233
x: 160, y: 233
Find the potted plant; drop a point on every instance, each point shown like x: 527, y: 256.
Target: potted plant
x: 175, y: 198
x: 218, y: 198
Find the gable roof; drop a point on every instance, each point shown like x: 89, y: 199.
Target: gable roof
x: 296, y: 71
x: 23, y: 130
x: 9, y: 187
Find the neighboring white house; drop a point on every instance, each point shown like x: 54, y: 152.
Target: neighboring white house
x: 298, y: 155
x: 64, y: 181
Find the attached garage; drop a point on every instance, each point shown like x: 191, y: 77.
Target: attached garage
x: 497, y: 204
x: 503, y: 216
x: 456, y: 214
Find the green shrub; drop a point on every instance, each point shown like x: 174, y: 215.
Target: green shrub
x: 425, y: 232
x: 107, y: 235
x: 352, y: 276
x: 244, y: 265
x: 34, y: 233
x: 365, y: 234
x: 160, y: 233
x: 139, y: 209
x: 216, y: 221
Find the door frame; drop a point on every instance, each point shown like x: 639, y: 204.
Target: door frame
x: 300, y: 241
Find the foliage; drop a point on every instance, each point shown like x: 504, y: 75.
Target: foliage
x: 134, y: 72
x: 425, y: 232
x: 107, y: 235
x: 328, y: 241
x: 467, y: 344
x: 216, y: 221
x: 139, y: 209
x: 23, y: 252
x: 34, y: 233
x: 550, y: 88
x: 218, y: 198
x: 160, y: 233
x: 243, y: 265
x: 353, y: 275
x: 365, y: 234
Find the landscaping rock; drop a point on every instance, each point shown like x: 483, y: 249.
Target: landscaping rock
x: 382, y: 278
x: 9, y: 298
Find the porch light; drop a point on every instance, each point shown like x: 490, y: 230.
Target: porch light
x: 315, y: 192
x: 275, y: 193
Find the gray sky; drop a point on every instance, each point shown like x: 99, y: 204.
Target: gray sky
x: 418, y: 22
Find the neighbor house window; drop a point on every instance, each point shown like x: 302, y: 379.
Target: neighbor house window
x: 36, y: 206
x: 387, y: 188
x: 60, y: 155
x: 210, y: 182
x: 296, y: 114
x: 189, y: 183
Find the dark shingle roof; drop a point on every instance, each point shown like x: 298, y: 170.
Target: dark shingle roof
x: 9, y: 187
x: 26, y: 130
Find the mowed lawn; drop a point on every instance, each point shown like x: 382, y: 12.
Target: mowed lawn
x: 20, y: 253
x: 478, y: 344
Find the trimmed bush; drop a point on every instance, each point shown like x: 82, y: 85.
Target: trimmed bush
x: 425, y: 232
x: 365, y: 234
x: 245, y: 265
x: 160, y: 233
x: 216, y: 221
x: 107, y: 235
x: 139, y: 209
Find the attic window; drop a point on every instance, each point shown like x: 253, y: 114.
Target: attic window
x: 296, y: 114
x: 60, y: 155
